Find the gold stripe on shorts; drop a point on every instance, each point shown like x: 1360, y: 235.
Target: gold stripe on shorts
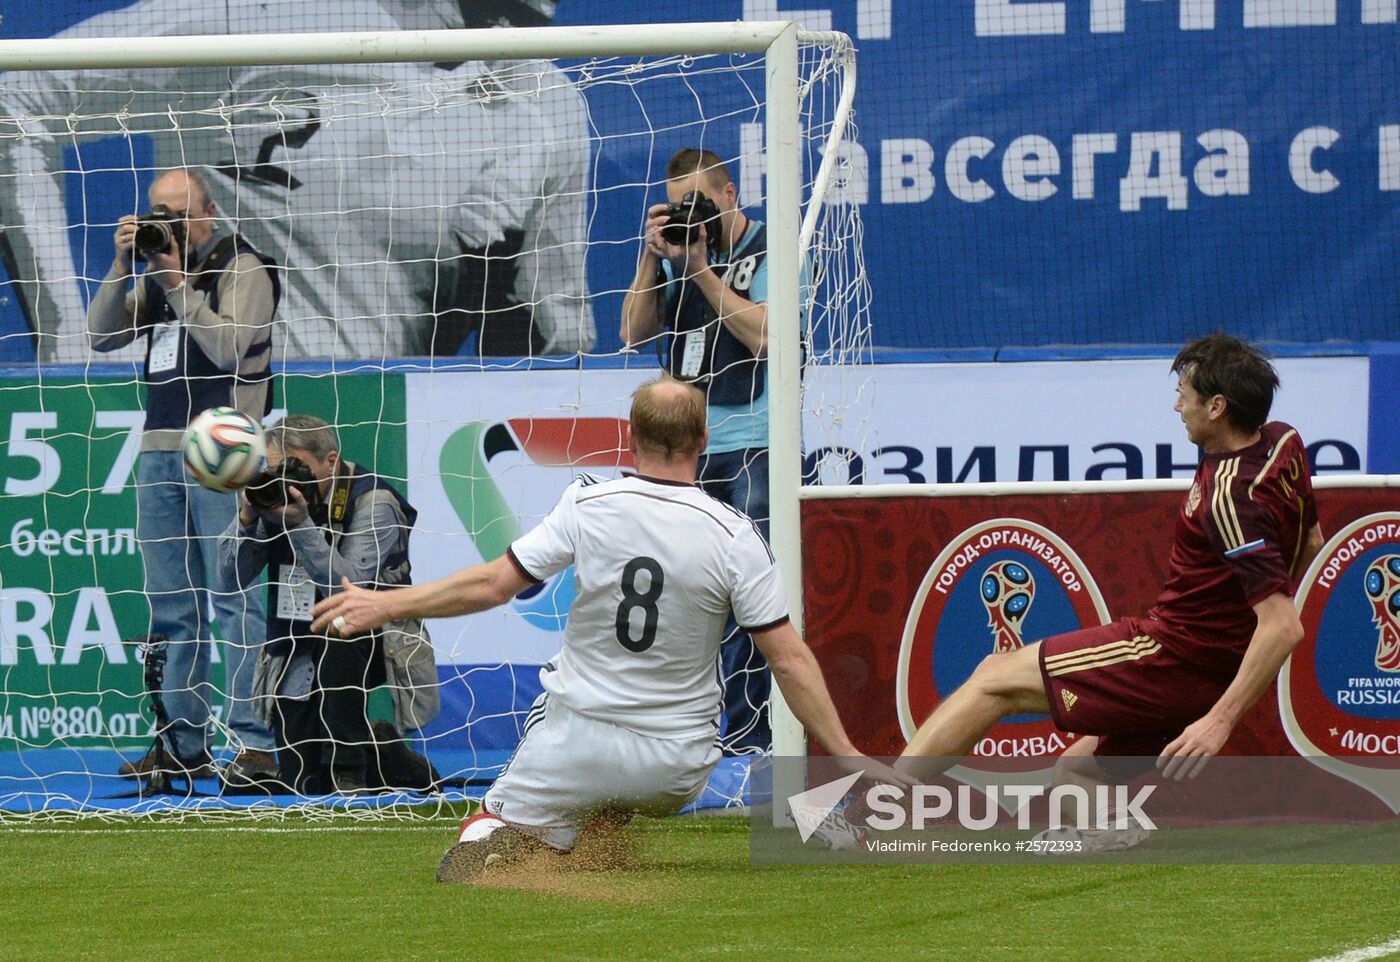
x: 1143, y: 646
x: 1096, y: 650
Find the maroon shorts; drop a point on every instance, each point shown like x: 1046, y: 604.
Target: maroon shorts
x: 1118, y: 682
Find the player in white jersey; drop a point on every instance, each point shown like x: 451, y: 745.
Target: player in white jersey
x: 408, y: 204
x: 629, y: 718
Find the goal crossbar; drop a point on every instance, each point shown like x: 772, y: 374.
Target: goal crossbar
x: 404, y: 46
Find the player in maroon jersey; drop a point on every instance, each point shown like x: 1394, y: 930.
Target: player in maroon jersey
x: 1175, y: 682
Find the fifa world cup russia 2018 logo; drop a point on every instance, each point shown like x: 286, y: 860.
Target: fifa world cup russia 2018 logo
x: 1007, y: 591
x: 1383, y: 589
x: 1333, y: 698
x: 987, y: 577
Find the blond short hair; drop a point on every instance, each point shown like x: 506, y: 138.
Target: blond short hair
x: 668, y: 418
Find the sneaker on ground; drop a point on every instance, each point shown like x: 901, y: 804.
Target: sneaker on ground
x: 483, y: 842
x: 1113, y: 837
x: 831, y: 827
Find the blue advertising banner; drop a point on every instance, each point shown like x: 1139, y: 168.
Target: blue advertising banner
x: 1117, y: 171
x: 1106, y: 173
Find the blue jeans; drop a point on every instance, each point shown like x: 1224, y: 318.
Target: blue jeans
x: 178, y: 524
x: 740, y: 479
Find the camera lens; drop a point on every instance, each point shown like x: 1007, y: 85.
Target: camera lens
x: 152, y: 237
x: 682, y: 234
x: 684, y: 220
x: 272, y: 487
x: 267, y: 491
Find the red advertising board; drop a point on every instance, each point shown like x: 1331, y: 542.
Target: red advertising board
x: 905, y: 594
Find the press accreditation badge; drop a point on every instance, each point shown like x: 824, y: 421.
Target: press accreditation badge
x: 693, y: 357
x: 296, y: 594
x: 165, y: 347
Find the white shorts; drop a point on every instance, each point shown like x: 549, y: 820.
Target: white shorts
x: 568, y: 768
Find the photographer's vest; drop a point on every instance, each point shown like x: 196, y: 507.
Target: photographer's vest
x: 333, y: 517
x: 697, y: 347
x: 181, y: 380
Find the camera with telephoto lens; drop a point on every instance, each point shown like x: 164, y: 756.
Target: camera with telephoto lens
x: 158, y: 230
x: 687, y: 216
x: 272, y: 487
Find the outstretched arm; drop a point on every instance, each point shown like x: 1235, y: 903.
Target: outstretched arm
x: 800, y: 677
x: 1275, y: 637
x: 468, y: 591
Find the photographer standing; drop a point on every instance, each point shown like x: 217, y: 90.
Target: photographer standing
x: 204, y: 304
x: 699, y: 294
x: 311, y: 519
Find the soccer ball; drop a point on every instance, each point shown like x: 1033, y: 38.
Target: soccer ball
x: 223, y: 449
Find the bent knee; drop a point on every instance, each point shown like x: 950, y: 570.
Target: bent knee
x: 1012, y: 677
x: 998, y: 669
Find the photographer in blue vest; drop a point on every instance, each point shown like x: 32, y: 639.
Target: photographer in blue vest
x: 204, y: 305
x: 699, y: 296
x: 311, y: 519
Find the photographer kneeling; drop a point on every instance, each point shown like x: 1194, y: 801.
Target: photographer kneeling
x: 310, y: 519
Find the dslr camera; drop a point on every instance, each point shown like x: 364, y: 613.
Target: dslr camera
x: 272, y: 487
x: 686, y: 217
x: 157, y: 230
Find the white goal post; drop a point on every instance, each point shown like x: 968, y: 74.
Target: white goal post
x: 791, y: 231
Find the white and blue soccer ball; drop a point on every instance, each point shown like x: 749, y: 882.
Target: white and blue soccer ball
x: 223, y: 449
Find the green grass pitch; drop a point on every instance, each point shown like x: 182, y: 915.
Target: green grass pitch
x: 677, y: 889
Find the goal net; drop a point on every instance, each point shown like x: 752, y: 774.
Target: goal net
x: 455, y: 217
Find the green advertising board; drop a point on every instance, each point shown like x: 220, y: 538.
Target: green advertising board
x: 70, y: 567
